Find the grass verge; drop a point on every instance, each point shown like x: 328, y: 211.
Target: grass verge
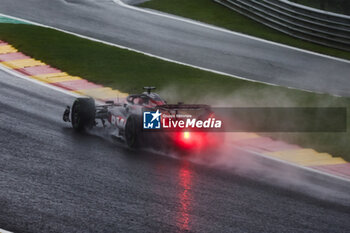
x: 213, y: 13
x: 129, y: 72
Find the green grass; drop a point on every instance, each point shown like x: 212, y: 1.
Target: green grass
x: 129, y: 72
x: 213, y: 13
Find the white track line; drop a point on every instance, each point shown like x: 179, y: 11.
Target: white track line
x: 131, y: 49
x: 3, y: 231
x: 167, y: 59
x: 174, y: 17
x: 296, y: 165
x: 19, y: 75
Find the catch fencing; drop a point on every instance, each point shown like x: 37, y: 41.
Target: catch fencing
x: 303, y: 22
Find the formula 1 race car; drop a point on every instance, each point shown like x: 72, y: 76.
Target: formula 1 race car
x: 125, y: 121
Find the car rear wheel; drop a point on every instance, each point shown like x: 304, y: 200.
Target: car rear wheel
x: 133, y: 132
x: 83, y: 114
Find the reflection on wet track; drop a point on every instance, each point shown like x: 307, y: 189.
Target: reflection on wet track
x: 185, y: 197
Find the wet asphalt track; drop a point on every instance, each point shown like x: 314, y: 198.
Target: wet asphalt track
x: 188, y: 43
x: 55, y: 180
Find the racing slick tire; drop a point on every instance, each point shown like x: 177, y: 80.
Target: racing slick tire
x: 83, y: 114
x: 133, y: 132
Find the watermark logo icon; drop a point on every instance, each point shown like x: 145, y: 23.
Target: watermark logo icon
x: 151, y: 120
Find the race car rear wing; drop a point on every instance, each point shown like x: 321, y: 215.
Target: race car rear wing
x: 181, y: 106
x: 195, y: 110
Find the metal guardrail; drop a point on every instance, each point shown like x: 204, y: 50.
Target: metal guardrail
x: 303, y: 22
x: 336, y: 6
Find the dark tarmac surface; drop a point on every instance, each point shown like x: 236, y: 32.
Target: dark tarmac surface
x: 189, y: 43
x: 55, y: 180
